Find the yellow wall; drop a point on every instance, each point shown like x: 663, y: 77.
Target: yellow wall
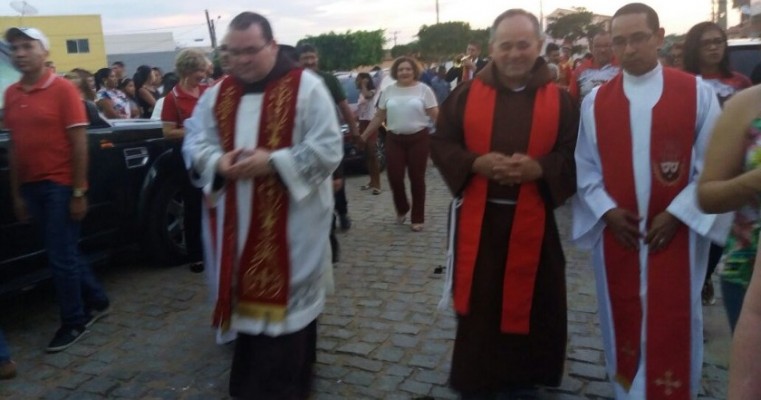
x: 61, y: 28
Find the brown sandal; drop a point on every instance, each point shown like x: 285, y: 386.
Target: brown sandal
x: 416, y: 227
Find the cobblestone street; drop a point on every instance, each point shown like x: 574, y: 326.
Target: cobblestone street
x: 380, y: 337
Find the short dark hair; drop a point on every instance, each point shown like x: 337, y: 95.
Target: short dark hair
x: 639, y: 8
x: 595, y: 32
x: 476, y: 44
x: 305, y: 48
x: 691, y: 52
x: 415, y: 67
x: 118, y: 64
x: 551, y: 47
x: 516, y: 12
x: 244, y: 20
x: 289, y: 52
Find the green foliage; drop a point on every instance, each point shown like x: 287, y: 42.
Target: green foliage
x: 409, y: 49
x: 447, y: 40
x: 345, y: 51
x: 481, y: 36
x: 443, y: 40
x: 573, y: 26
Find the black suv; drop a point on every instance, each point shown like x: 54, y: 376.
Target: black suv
x: 744, y: 55
x: 136, y: 185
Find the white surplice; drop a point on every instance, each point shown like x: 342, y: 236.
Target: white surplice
x: 592, y: 202
x: 305, y: 169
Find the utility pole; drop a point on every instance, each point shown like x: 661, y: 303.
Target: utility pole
x: 541, y: 16
x: 437, y: 12
x: 713, y: 11
x: 395, y: 32
x: 721, y: 15
x: 212, y: 30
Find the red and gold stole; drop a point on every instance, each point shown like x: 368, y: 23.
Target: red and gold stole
x: 668, y: 271
x: 527, y: 232
x: 263, y: 273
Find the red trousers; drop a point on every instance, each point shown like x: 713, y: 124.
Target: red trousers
x: 410, y: 153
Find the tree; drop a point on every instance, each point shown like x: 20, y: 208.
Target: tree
x: 409, y: 49
x: 444, y: 40
x: 342, y: 51
x: 572, y: 26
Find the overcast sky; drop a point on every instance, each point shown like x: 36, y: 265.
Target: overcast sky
x: 295, y: 19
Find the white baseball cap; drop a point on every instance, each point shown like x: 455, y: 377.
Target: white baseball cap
x: 31, y: 33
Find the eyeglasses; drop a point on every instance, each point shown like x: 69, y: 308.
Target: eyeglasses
x: 635, y: 40
x: 717, y: 41
x: 248, y: 51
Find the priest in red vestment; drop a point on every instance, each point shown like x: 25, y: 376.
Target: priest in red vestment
x: 639, y: 153
x: 504, y: 145
x: 263, y: 143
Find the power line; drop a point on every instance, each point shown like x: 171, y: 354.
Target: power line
x: 154, y: 29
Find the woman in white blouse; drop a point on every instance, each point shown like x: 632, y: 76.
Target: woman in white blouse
x: 408, y: 107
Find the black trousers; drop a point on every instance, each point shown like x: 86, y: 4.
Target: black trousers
x: 274, y: 368
x: 342, y: 205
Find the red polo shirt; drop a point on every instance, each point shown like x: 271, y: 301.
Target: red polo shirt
x: 38, y: 121
x: 179, y: 105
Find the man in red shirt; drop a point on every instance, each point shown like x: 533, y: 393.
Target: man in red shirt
x: 48, y: 177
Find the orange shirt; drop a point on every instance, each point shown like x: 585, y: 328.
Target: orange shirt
x: 38, y: 121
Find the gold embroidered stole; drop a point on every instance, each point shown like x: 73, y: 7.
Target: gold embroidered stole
x: 263, y: 273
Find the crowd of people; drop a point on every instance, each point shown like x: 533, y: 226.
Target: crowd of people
x: 662, y: 182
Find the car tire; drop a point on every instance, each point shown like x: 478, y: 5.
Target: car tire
x: 166, y: 240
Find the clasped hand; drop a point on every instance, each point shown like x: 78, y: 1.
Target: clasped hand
x: 244, y: 164
x: 508, y: 170
x: 624, y: 225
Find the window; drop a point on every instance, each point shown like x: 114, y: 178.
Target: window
x: 8, y: 74
x: 78, y: 46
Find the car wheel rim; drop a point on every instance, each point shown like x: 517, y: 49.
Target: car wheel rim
x: 175, y: 221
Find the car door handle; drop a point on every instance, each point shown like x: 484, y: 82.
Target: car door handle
x: 136, y: 157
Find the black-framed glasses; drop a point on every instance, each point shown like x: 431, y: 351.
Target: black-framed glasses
x: 717, y: 41
x: 635, y: 40
x: 248, y: 51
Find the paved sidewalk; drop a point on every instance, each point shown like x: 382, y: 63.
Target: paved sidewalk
x: 380, y: 337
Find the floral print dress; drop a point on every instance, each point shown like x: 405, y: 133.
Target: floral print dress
x: 119, y: 101
x: 740, y: 250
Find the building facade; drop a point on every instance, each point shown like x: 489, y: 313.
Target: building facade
x: 76, y: 41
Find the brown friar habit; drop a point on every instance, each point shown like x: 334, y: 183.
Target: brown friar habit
x: 485, y: 359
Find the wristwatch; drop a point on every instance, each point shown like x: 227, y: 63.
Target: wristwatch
x: 78, y: 192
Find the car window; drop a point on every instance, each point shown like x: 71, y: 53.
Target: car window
x: 8, y: 74
x: 350, y: 88
x: 744, y: 58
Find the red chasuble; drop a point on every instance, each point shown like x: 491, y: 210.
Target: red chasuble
x: 527, y: 232
x: 668, y: 271
x: 263, y: 273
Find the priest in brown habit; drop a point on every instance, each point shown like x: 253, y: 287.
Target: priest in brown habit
x: 504, y: 144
